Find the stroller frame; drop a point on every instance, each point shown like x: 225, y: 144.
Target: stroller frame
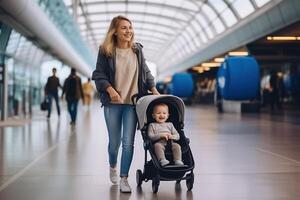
x: 152, y: 168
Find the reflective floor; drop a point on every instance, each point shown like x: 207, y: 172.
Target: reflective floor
x: 254, y: 156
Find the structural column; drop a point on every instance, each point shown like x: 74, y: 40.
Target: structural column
x: 4, y: 37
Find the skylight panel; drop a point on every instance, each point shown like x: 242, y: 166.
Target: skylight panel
x: 96, y: 8
x: 218, y: 25
x: 97, y: 17
x: 202, y: 20
x: 155, y: 9
x: 209, y: 32
x: 177, y: 3
x: 88, y: 1
x: 229, y: 17
x: 243, y: 7
x: 196, y: 25
x: 81, y: 19
x: 189, y: 5
x: 135, y: 7
x: 261, y: 3
x: 151, y: 18
x: 218, y: 4
x: 209, y: 12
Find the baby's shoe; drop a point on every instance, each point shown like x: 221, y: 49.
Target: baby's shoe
x: 178, y: 162
x: 164, y: 162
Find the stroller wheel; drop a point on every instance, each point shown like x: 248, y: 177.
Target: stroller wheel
x: 155, y: 183
x: 190, y: 181
x: 139, y: 177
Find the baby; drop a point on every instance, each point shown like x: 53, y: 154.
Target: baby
x: 162, y: 131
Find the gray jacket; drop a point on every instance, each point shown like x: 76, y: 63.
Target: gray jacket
x: 104, y: 74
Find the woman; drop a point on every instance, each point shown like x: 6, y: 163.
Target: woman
x: 121, y: 72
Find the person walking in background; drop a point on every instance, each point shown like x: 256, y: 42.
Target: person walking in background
x: 120, y: 73
x: 274, y: 90
x: 51, y: 91
x: 73, y: 90
x: 88, y: 91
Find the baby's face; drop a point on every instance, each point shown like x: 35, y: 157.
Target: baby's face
x: 160, y: 113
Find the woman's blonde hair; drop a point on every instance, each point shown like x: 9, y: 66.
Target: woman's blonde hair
x: 110, y: 41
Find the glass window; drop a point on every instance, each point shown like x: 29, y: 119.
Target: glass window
x: 177, y: 3
x: 189, y: 39
x: 260, y: 3
x: 209, y: 32
x: 218, y: 25
x: 81, y: 19
x: 157, y: 10
x: 190, y: 31
x: 229, y: 18
x: 209, y: 12
x: 189, y: 5
x: 98, y: 17
x: 133, y: 7
x: 95, y: 8
x: 67, y: 2
x: 202, y: 20
x: 243, y: 7
x: 218, y: 4
x: 196, y: 25
x: 82, y: 27
x: 203, y: 37
x: 13, y: 42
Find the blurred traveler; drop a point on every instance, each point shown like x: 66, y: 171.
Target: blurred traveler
x: 88, y: 91
x: 121, y: 72
x: 51, y: 91
x: 265, y: 90
x: 274, y: 90
x: 73, y: 90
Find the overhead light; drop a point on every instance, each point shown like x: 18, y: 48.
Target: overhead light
x: 200, y: 71
x: 238, y: 53
x: 219, y: 59
x: 285, y: 38
x: 211, y: 64
x: 196, y: 68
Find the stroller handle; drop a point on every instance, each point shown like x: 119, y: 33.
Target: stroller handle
x: 136, y: 97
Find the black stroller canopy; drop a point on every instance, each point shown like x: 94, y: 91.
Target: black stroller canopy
x: 143, y: 104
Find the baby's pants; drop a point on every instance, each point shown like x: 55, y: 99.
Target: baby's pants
x: 160, y: 150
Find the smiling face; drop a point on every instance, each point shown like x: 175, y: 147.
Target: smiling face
x: 124, y: 31
x: 160, y: 113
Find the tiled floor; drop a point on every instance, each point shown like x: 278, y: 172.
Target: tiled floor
x: 236, y: 157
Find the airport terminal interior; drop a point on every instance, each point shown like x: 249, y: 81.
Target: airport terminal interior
x: 228, y: 70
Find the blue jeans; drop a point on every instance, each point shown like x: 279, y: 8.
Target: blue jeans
x: 121, y: 124
x: 72, y: 108
x: 55, y: 96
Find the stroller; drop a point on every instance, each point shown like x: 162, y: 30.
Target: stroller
x: 152, y: 168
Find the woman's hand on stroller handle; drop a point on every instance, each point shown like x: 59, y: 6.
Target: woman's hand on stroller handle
x: 154, y: 91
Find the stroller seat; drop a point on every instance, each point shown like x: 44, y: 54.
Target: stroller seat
x: 152, y: 168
